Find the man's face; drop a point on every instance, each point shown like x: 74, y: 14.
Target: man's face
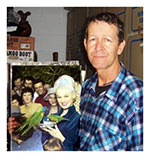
x: 28, y: 83
x: 102, y: 45
x: 39, y: 88
x: 18, y: 83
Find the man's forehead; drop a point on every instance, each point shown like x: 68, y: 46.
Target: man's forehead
x: 104, y: 23
x: 18, y: 79
x: 28, y: 80
x: 38, y: 84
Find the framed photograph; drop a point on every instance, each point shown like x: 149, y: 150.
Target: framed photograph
x: 20, y: 76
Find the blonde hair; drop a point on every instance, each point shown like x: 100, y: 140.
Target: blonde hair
x: 65, y: 81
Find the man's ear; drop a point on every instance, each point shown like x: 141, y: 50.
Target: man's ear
x: 121, y: 47
x: 85, y: 43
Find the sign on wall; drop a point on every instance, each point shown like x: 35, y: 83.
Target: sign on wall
x: 20, y: 49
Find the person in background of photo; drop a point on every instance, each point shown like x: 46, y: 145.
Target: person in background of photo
x: 52, y: 109
x: 16, y: 100
x: 17, y: 86
x: 27, y: 110
x: 53, y: 144
x: 39, y: 88
x: 51, y: 97
x: 112, y: 99
x: 29, y: 107
x: 28, y: 82
x: 66, y: 130
x: 47, y: 86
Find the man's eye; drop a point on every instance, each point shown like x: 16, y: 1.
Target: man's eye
x: 92, y: 40
x: 107, y: 40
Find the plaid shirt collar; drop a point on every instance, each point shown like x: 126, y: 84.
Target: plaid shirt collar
x: 112, y: 93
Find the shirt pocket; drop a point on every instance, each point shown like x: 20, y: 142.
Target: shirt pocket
x: 109, y: 137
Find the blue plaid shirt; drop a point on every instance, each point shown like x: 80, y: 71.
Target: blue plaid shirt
x: 113, y: 120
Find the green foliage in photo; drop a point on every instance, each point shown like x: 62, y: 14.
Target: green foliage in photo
x: 47, y: 73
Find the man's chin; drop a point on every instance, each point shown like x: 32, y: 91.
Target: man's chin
x: 98, y: 66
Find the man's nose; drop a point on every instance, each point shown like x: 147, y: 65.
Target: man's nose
x: 37, y: 89
x: 99, y: 45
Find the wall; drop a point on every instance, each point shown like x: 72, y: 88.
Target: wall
x: 49, y: 29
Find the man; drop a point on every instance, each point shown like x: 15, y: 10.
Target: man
x: 112, y: 99
x: 18, y: 86
x: 28, y: 82
x: 39, y: 88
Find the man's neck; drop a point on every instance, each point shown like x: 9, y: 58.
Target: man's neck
x: 108, y: 75
x: 44, y: 93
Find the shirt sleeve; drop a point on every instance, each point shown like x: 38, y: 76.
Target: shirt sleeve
x: 135, y: 129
